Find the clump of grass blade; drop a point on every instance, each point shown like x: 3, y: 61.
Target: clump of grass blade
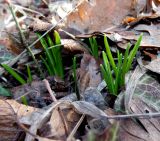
x: 114, y: 73
x: 94, y: 47
x: 53, y: 57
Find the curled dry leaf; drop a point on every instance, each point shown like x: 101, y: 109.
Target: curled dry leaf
x: 151, y: 40
x: 88, y: 73
x: 73, y: 46
x: 89, y: 109
x: 39, y: 25
x: 154, y: 66
x: 151, y: 55
x: 19, y: 109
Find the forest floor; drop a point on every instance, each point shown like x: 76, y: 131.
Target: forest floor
x: 80, y: 70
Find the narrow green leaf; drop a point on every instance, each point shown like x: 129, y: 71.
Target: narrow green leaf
x: 56, y: 53
x: 75, y: 78
x: 106, y: 62
x: 48, y: 54
x: 24, y: 100
x: 47, y: 66
x: 60, y: 68
x: 29, y: 74
x: 91, y: 44
x: 94, y: 47
x: 14, y: 74
x: 124, y: 65
x: 119, y: 73
x: 108, y: 72
x: 50, y: 42
x: 57, y: 38
x: 133, y: 53
x: 17, y: 77
x: 107, y: 77
x: 109, y: 55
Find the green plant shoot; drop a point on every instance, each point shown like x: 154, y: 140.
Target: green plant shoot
x: 75, y: 78
x: 114, y: 73
x: 14, y: 74
x: 29, y: 80
x: 94, y: 47
x: 17, y: 77
x: 53, y: 57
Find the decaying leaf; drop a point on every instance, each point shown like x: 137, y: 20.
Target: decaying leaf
x: 130, y: 131
x: 142, y: 96
x: 152, y: 29
x: 36, y: 92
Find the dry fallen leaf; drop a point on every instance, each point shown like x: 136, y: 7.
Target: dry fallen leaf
x: 50, y: 121
x: 9, y: 109
x: 56, y: 128
x: 86, y: 19
x: 88, y: 73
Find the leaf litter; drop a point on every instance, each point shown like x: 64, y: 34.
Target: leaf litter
x: 50, y: 117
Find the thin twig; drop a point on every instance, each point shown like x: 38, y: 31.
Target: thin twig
x: 29, y: 10
x: 139, y: 116
x: 55, y: 100
x: 52, y: 93
x: 45, y: 2
x: 12, y: 62
x: 25, y: 94
x: 76, y: 128
x: 64, y: 121
x: 23, y: 39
